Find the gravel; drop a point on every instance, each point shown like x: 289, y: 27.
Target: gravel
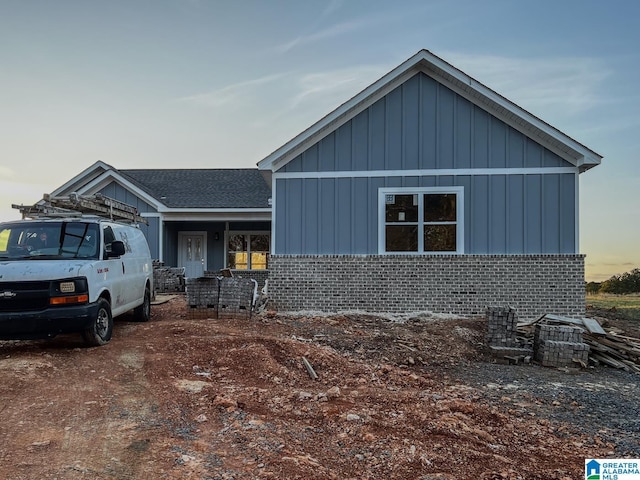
x: 600, y: 400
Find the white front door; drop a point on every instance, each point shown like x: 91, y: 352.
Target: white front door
x: 192, y: 253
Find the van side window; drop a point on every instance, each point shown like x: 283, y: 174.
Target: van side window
x: 109, y: 237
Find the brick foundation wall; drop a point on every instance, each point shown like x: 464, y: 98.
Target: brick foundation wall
x: 258, y: 275
x: 456, y: 284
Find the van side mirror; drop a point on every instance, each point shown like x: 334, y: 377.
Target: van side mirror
x: 117, y: 249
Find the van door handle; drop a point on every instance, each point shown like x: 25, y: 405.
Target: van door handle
x: 123, y: 268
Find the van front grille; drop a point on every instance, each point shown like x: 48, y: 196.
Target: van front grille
x: 24, y: 296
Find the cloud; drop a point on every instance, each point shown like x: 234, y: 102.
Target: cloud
x: 285, y: 93
x: 310, y: 96
x: 233, y: 93
x: 333, y: 6
x: 330, y: 32
x: 336, y: 86
x: 571, y: 85
x: 623, y: 264
x: 600, y: 271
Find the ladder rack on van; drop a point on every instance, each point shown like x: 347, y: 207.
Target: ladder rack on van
x: 75, y: 205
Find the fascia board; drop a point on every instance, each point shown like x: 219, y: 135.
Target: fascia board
x: 109, y: 176
x: 474, y: 91
x: 88, y: 174
x: 582, y: 154
x: 218, y: 215
x: 339, y: 116
x: 218, y: 210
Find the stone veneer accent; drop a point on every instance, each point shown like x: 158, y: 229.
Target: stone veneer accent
x: 454, y: 284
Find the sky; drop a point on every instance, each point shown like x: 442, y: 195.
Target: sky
x: 217, y: 84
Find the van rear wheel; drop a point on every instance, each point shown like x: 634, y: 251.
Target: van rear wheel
x: 101, y: 329
x: 143, y: 312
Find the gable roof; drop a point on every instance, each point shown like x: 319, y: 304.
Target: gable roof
x: 462, y: 84
x: 168, y: 189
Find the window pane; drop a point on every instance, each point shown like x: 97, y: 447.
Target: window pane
x: 237, y: 260
x: 259, y: 261
x: 401, y: 208
x: 439, y: 238
x: 237, y: 243
x: 440, y: 207
x: 401, y: 238
x: 259, y: 243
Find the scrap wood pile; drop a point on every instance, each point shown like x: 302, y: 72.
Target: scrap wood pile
x: 608, y: 348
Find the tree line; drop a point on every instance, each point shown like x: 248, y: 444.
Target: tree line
x: 628, y: 282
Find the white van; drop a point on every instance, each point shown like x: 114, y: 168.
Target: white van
x: 71, y: 275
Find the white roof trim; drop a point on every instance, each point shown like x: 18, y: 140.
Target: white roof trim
x: 474, y: 91
x: 218, y: 210
x: 218, y: 215
x: 98, y: 168
x: 112, y: 175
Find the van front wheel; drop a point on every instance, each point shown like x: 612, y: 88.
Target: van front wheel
x: 100, y: 330
x: 143, y: 312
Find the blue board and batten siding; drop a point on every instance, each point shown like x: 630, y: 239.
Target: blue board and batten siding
x: 152, y: 230
x: 519, y: 198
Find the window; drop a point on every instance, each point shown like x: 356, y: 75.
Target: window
x: 48, y: 240
x: 421, y: 220
x: 248, y: 251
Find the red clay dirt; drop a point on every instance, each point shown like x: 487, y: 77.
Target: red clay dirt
x: 182, y: 397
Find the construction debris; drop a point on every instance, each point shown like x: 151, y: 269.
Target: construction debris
x: 203, y: 293
x: 312, y: 373
x: 168, y: 279
x: 564, y: 341
x: 501, y: 326
x: 559, y: 346
x: 220, y: 297
x: 502, y: 335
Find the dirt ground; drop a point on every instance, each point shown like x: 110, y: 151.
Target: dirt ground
x: 183, y: 397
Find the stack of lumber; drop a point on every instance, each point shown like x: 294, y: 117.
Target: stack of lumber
x: 606, y: 348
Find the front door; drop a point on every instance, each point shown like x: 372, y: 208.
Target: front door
x: 193, y: 253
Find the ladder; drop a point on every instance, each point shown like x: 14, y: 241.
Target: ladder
x: 76, y: 205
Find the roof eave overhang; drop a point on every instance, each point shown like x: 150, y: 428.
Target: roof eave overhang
x: 464, y: 85
x: 216, y: 214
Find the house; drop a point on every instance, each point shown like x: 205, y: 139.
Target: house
x: 199, y: 219
x: 427, y: 191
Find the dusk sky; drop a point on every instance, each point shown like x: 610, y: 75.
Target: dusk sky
x: 216, y: 84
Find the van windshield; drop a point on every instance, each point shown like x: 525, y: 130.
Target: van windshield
x: 48, y: 240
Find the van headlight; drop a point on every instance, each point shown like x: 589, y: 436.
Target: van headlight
x: 69, y: 291
x: 67, y: 287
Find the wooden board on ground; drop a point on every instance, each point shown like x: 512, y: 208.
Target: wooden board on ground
x: 593, y: 326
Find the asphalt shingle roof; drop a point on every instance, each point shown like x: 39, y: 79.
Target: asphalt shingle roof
x: 204, y: 188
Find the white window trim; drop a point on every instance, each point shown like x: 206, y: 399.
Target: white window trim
x: 228, y: 233
x: 383, y: 192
